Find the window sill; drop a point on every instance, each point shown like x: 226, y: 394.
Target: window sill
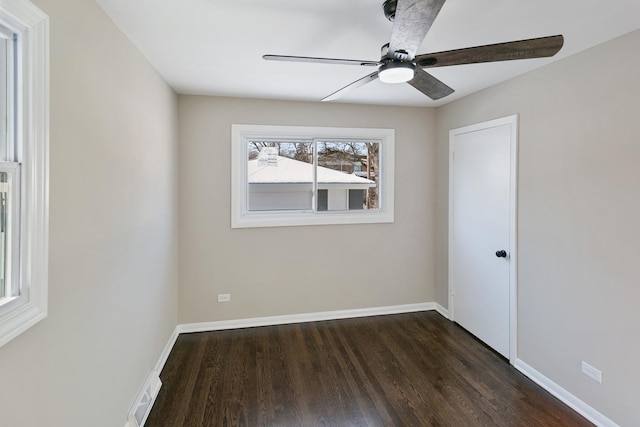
x: 279, y: 219
x: 19, y: 320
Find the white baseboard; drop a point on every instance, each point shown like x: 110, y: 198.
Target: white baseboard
x: 167, y: 350
x: 305, y: 317
x: 443, y: 311
x: 564, y: 396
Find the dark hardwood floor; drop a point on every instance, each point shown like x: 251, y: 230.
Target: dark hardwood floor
x: 402, y: 370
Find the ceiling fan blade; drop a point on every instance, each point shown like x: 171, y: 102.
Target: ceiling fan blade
x: 412, y: 22
x: 319, y: 60
x: 429, y: 85
x: 522, y: 49
x: 348, y: 88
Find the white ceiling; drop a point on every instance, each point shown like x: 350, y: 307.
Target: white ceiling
x: 215, y: 47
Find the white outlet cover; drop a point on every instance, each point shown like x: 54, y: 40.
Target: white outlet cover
x: 224, y: 297
x: 591, y: 372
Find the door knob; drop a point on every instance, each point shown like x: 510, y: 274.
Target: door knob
x: 501, y: 254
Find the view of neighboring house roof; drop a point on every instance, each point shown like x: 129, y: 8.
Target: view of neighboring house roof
x: 289, y: 171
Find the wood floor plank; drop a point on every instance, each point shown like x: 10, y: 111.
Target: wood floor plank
x: 412, y: 370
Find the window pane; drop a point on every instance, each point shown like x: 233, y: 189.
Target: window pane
x: 4, y: 93
x: 348, y: 173
x: 280, y: 176
x: 4, y: 199
x: 323, y: 200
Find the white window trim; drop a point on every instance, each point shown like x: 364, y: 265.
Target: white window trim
x: 7, y: 34
x: 242, y: 218
x: 12, y: 261
x: 31, y: 306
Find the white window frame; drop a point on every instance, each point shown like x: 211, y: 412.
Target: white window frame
x: 29, y: 306
x: 12, y: 233
x: 241, y: 217
x: 7, y: 34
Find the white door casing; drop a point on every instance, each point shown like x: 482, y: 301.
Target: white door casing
x: 482, y: 221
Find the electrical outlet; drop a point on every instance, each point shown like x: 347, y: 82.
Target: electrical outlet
x: 224, y: 297
x: 591, y: 372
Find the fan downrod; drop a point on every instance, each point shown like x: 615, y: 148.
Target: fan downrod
x: 389, y: 8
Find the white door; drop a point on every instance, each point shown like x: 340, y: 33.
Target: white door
x: 482, y: 231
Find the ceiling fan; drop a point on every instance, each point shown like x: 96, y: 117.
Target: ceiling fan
x: 399, y: 63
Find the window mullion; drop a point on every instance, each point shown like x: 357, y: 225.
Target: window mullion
x: 314, y: 153
x: 15, y: 100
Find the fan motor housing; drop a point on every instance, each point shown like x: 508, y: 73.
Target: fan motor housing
x: 389, y: 7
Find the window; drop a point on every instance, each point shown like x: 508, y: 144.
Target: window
x: 24, y: 139
x: 284, y: 175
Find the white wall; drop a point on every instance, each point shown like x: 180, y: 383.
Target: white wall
x: 579, y: 204
x: 288, y: 270
x: 113, y: 232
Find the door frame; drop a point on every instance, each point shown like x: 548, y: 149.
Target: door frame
x: 513, y: 217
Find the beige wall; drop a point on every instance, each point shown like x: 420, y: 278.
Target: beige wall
x: 579, y: 204
x: 113, y: 232
x: 278, y: 271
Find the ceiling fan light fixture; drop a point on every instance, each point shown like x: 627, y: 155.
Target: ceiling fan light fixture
x: 396, y: 72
